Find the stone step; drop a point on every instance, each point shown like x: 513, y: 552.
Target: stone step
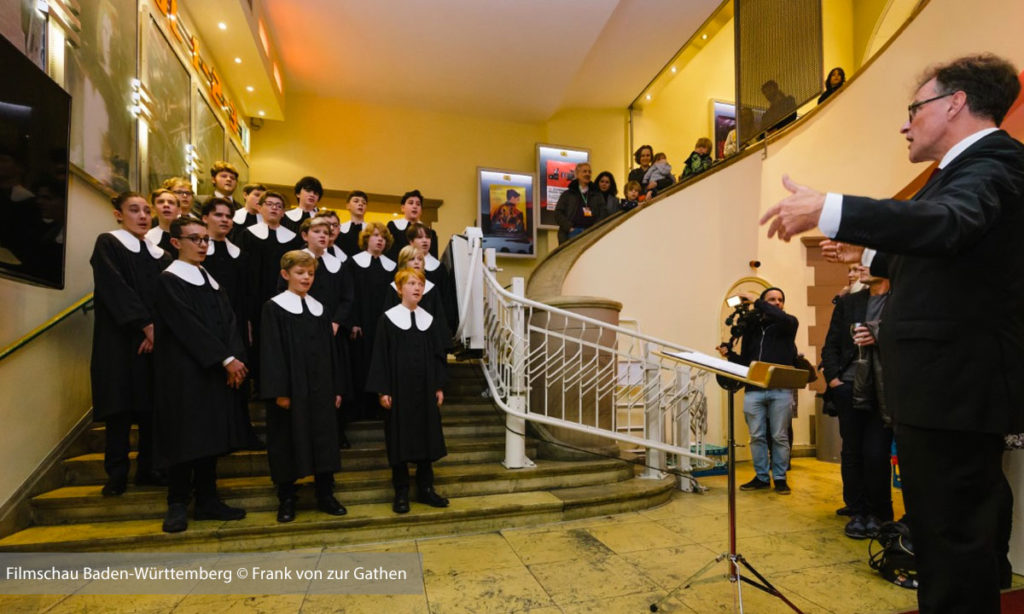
x: 87, y: 469
x: 365, y: 523
x: 76, y: 504
x: 455, y: 425
x: 453, y: 406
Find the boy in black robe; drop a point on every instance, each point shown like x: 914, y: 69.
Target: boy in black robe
x: 308, y: 192
x: 303, y: 385
x: 369, y: 275
x: 412, y: 209
x: 249, y: 214
x: 264, y: 244
x: 196, y: 414
x: 167, y: 208
x: 125, y: 267
x: 348, y: 233
x: 408, y: 373
x: 420, y: 236
x: 226, y: 262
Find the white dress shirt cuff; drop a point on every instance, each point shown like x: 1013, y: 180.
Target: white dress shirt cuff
x: 227, y: 361
x: 867, y: 257
x: 831, y: 215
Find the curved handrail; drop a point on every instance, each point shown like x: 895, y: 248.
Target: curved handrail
x: 84, y: 304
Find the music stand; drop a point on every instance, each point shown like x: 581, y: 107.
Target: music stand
x: 765, y: 375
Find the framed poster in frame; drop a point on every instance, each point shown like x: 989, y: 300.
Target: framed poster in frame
x: 556, y: 168
x: 723, y: 120
x: 506, y: 212
x: 169, y: 84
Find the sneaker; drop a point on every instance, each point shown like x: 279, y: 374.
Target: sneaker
x: 756, y: 484
x: 856, y: 529
x: 781, y: 488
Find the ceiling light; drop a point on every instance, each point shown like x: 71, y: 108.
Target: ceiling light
x: 222, y: 25
x: 673, y: 70
x: 238, y: 60
x: 648, y: 96
x: 262, y: 113
x: 704, y: 37
x: 250, y: 88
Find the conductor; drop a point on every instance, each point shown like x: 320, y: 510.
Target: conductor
x: 953, y: 365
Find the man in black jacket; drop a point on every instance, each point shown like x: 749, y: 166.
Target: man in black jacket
x: 770, y: 338
x: 864, y: 460
x: 954, y: 368
x: 580, y: 206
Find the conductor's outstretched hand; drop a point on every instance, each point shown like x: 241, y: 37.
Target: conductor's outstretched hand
x: 798, y: 212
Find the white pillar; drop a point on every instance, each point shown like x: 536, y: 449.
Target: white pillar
x: 515, y: 426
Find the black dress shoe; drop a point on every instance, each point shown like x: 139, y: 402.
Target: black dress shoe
x: 401, y: 504
x: 343, y: 442
x: 176, y: 519
x: 330, y: 505
x: 431, y: 498
x: 114, y: 488
x: 856, y: 529
x: 151, y: 478
x: 844, y: 511
x: 286, y: 510
x: 215, y: 509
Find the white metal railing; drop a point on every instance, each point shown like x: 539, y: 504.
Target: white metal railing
x: 553, y: 367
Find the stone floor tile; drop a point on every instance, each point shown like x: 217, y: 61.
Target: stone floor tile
x: 550, y: 545
x: 510, y: 589
x: 594, y: 577
x: 456, y: 555
x: 633, y: 536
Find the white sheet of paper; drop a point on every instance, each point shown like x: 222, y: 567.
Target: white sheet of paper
x: 712, y: 362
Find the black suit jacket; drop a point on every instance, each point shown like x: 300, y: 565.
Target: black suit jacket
x: 839, y: 350
x: 952, y: 333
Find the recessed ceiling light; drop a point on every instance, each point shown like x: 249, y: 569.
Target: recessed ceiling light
x: 648, y: 96
x: 238, y: 60
x: 673, y: 70
x: 262, y: 113
x: 250, y: 88
x: 704, y: 37
x: 222, y: 25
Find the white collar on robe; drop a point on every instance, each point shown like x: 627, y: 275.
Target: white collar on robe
x: 335, y: 251
x: 191, y: 273
x: 262, y: 231
x: 363, y: 259
x: 292, y: 303
x: 427, y: 287
x: 134, y: 245
x: 430, y: 263
x: 347, y: 226
x: 331, y: 263
x: 155, y: 235
x: 243, y: 213
x: 296, y: 214
x: 401, y: 224
x: 233, y: 250
x: 399, y: 316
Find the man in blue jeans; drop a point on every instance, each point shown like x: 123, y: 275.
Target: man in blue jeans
x: 770, y: 337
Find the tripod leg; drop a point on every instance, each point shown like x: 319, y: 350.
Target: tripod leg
x: 765, y: 585
x: 700, y: 572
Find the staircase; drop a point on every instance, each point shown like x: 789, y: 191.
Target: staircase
x: 484, y: 495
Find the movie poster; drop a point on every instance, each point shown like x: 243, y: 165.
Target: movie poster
x: 169, y: 84
x: 507, y: 212
x: 556, y: 167
x: 724, y: 114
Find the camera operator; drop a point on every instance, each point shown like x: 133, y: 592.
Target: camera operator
x: 768, y: 335
x: 864, y: 460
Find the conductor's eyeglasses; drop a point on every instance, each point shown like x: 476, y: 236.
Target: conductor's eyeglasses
x: 913, y: 107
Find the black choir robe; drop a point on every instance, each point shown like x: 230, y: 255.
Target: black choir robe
x: 124, y: 278
x: 300, y: 362
x: 264, y: 247
x: 293, y: 218
x: 195, y: 414
x: 397, y: 229
x: 369, y: 279
x: 348, y: 238
x: 331, y: 287
x: 162, y: 239
x: 437, y: 273
x: 242, y: 220
x: 409, y: 365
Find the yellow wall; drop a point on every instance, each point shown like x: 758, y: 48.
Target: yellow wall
x: 866, y: 14
x: 391, y: 150
x: 700, y: 239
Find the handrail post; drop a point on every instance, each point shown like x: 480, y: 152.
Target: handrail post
x: 681, y: 423
x: 515, y: 426
x: 652, y: 414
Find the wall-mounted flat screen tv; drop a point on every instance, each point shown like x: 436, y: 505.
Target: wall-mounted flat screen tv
x: 35, y: 115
